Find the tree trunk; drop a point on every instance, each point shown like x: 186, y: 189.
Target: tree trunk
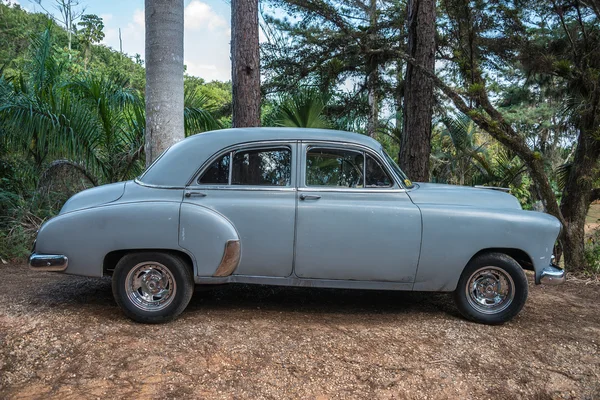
x: 164, y: 76
x: 373, y: 118
x: 578, y: 195
x: 418, y: 91
x: 245, y: 63
x: 373, y: 76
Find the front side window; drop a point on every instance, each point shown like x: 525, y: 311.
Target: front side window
x: 336, y: 168
x: 256, y: 167
x: 344, y: 169
x: 398, y: 171
x: 375, y: 175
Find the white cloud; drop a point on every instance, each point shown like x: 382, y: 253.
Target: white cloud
x: 199, y: 15
x: 206, y: 39
x: 106, y: 18
x: 138, y: 17
x: 133, y: 34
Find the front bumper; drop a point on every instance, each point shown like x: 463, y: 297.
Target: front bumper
x: 48, y: 262
x: 552, y: 275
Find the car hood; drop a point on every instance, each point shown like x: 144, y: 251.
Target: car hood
x: 94, y: 197
x: 432, y: 193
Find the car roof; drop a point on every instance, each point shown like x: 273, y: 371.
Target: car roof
x: 241, y: 135
x: 177, y: 165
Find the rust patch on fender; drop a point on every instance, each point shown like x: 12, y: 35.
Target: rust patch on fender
x: 230, y: 260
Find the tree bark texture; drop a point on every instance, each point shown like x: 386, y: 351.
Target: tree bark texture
x: 164, y: 76
x: 418, y: 91
x: 373, y: 77
x: 579, y: 192
x: 245, y: 63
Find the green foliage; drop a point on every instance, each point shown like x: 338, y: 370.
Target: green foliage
x: 302, y: 109
x: 91, y: 29
x: 196, y: 116
x: 19, y: 222
x: 69, y: 122
x: 592, y: 252
x: 215, y: 95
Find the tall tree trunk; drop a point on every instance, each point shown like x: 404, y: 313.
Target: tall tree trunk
x: 373, y: 98
x: 577, y: 197
x: 399, y: 96
x: 164, y: 76
x: 418, y: 91
x: 373, y: 75
x: 245, y: 63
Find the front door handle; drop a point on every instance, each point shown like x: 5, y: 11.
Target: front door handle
x: 309, y: 197
x: 195, y: 194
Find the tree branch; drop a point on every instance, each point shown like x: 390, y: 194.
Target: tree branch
x: 495, y: 124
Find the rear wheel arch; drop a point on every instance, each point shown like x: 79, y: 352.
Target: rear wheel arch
x: 112, y: 258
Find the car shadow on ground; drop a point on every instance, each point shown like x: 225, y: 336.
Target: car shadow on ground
x: 317, y: 300
x: 96, y: 293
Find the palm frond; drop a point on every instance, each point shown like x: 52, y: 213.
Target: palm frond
x: 303, y: 109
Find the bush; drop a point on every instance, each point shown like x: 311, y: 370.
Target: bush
x: 20, y: 219
x: 592, y: 252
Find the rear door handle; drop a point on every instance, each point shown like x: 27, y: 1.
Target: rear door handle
x: 195, y: 194
x: 309, y: 197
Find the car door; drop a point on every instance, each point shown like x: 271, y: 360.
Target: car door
x: 354, y: 220
x: 253, y: 186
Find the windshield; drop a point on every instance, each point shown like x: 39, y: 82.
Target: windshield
x: 407, y: 182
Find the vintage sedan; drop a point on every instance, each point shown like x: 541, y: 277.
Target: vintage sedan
x: 296, y: 207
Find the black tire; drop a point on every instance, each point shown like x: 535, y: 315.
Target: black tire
x: 494, y: 314
x: 177, y: 275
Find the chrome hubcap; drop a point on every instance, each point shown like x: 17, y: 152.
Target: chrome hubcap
x: 490, y: 290
x: 150, y: 286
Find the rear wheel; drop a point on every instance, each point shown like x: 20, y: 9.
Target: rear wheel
x: 492, y: 289
x: 152, y: 287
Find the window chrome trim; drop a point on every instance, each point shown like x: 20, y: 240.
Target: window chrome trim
x: 244, y: 188
x: 365, y: 150
x: 351, y: 190
x: 397, y: 179
x: 193, y: 182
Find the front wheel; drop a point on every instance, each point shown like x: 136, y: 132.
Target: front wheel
x: 492, y: 289
x: 152, y: 287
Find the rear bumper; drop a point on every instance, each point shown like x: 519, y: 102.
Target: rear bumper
x: 552, y: 275
x: 48, y: 262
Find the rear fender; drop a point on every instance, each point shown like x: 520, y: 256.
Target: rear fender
x: 212, y: 239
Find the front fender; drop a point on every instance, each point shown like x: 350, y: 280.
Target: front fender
x: 452, y: 235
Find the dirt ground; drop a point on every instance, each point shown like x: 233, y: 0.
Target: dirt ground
x: 64, y: 337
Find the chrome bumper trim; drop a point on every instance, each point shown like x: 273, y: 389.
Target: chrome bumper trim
x: 552, y: 276
x: 48, y: 262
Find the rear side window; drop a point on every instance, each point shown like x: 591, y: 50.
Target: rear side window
x: 254, y: 167
x: 218, y: 172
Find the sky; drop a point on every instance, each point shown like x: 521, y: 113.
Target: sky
x: 207, y: 31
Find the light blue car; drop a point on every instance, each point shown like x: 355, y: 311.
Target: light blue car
x: 296, y: 207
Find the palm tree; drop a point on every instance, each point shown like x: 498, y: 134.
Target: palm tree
x: 164, y: 76
x: 93, y: 124
x: 304, y: 109
x: 41, y: 119
x: 465, y: 158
